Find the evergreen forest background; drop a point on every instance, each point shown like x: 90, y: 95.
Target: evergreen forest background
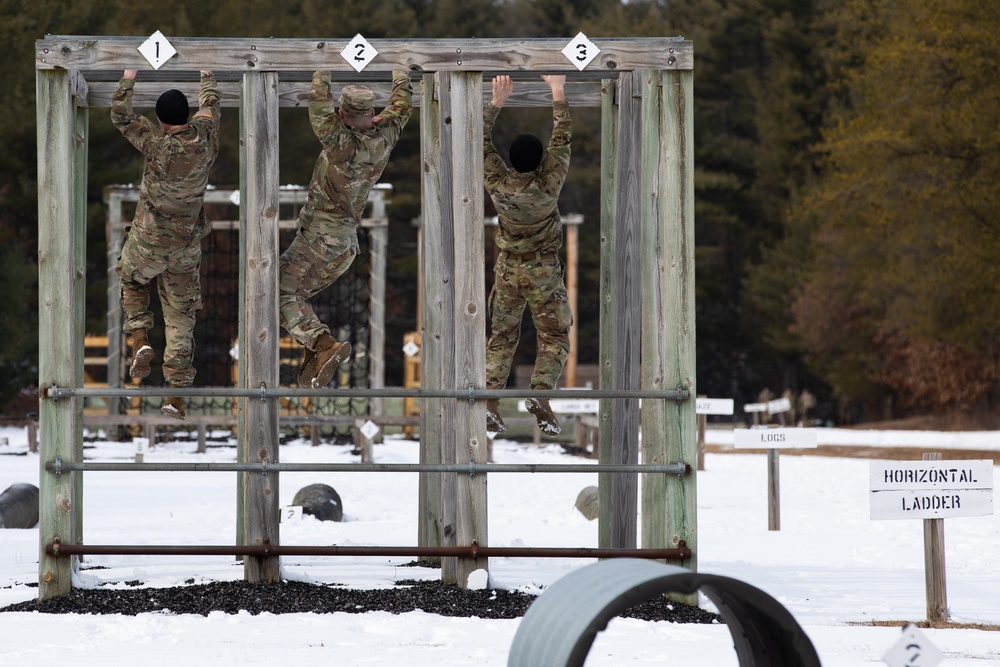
x: 847, y: 165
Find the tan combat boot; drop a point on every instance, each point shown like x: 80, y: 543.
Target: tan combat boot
x: 494, y: 422
x: 546, y: 419
x: 329, y: 355
x: 173, y: 407
x: 142, y: 354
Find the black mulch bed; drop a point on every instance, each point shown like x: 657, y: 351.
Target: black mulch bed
x: 291, y: 597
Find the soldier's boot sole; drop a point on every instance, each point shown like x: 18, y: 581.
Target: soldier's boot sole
x: 140, y: 362
x: 494, y: 422
x: 327, y: 361
x: 546, y: 419
x: 308, y: 369
x: 174, y: 407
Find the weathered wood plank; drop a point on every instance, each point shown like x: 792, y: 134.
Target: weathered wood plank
x: 433, y: 314
x: 446, y: 372
x: 774, y: 489
x: 626, y: 337
x: 81, y: 144
x: 437, y: 55
x: 935, y: 573
x: 609, y: 155
x: 60, y: 282
x: 655, y: 321
x: 680, y: 430
x: 296, y: 93
x: 378, y: 244
x: 429, y: 510
x: 259, y: 329
x: 467, y: 197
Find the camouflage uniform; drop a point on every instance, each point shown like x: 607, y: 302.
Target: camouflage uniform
x: 164, y: 241
x: 351, y: 162
x: 528, y: 269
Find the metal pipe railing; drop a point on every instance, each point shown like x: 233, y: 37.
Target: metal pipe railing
x: 59, y: 466
x: 56, y: 548
x: 55, y: 393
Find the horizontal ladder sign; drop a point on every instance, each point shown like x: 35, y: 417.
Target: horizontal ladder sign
x: 931, y: 489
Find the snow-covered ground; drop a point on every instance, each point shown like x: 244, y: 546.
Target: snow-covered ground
x: 831, y: 566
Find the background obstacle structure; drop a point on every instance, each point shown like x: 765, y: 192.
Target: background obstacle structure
x: 350, y: 305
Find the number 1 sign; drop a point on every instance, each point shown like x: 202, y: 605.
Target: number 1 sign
x: 157, y: 50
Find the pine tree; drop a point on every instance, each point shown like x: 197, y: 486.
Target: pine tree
x: 905, y: 212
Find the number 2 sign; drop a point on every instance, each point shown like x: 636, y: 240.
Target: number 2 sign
x: 358, y: 53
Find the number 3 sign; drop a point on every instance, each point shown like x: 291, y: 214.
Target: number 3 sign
x: 580, y: 51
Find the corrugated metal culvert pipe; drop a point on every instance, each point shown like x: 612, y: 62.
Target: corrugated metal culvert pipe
x: 560, y: 626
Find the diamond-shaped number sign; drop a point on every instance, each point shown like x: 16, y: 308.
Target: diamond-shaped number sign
x: 580, y: 51
x: 291, y: 513
x: 913, y: 649
x: 157, y: 50
x: 358, y: 52
x: 235, y: 197
x: 411, y: 348
x: 369, y: 429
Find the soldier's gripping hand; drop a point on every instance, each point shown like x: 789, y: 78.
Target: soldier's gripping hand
x: 502, y: 87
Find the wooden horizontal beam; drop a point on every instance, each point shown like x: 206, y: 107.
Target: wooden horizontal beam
x: 296, y: 93
x: 427, y: 55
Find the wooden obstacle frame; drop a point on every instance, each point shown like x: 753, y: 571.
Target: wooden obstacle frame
x: 644, y: 88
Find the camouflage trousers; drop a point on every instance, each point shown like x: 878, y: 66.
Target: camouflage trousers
x: 539, y: 284
x: 311, y: 263
x: 178, y: 284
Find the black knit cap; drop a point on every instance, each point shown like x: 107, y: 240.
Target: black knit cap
x: 172, y: 108
x: 525, y: 153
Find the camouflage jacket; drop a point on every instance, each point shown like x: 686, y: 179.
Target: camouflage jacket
x: 527, y: 204
x: 352, y: 160
x: 175, y: 169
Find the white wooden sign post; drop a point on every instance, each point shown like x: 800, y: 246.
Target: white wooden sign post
x: 932, y: 490
x: 774, y: 439
x: 709, y: 406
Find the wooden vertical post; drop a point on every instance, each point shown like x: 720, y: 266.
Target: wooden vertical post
x: 934, y: 564
x: 378, y: 243
x: 436, y: 506
x: 467, y: 203
x: 678, y: 105
x: 651, y: 256
x: 115, y: 239
x: 773, y: 489
x: 702, y: 424
x: 79, y: 236
x: 572, y: 282
x: 625, y: 333
x: 609, y: 160
x: 259, y: 329
x: 60, y: 296
x: 669, y: 429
